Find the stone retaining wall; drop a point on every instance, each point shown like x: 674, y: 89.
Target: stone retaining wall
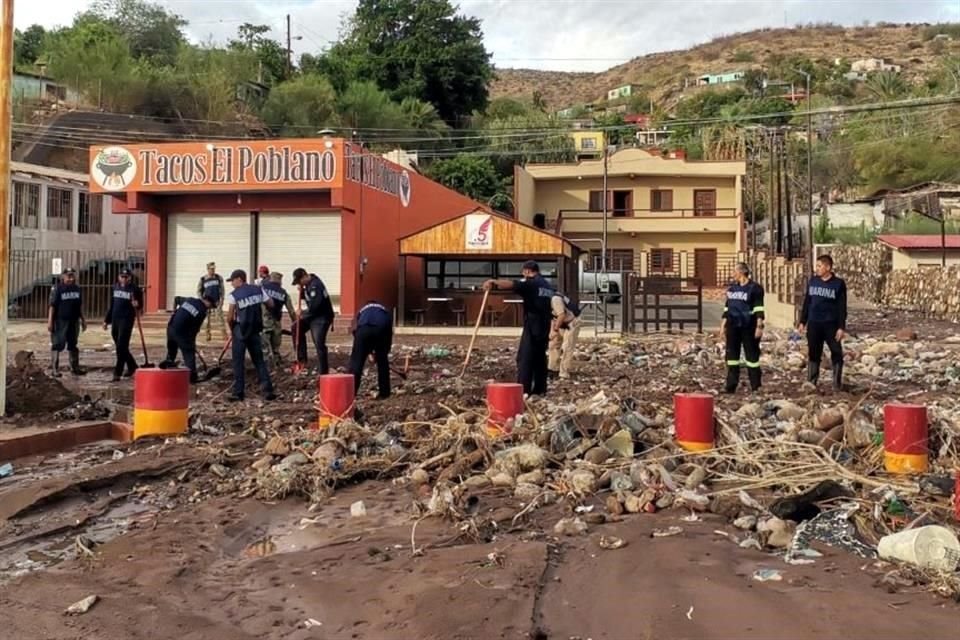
x: 864, y: 267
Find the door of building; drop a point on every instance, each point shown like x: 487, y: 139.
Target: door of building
x: 705, y: 266
x: 194, y: 239
x: 286, y: 241
x: 704, y: 202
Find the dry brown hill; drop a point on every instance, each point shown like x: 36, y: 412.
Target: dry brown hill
x: 662, y: 74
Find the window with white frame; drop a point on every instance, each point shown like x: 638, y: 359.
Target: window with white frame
x: 59, y: 209
x: 26, y: 205
x: 90, y: 218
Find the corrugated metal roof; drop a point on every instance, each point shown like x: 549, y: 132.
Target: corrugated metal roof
x: 49, y: 172
x: 919, y: 242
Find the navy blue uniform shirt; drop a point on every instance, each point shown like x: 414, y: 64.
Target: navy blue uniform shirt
x: 825, y: 302
x: 536, y: 293
x: 744, y: 304
x: 187, y: 320
x: 66, y: 302
x: 249, y: 300
x: 121, y: 304
x: 376, y: 315
x: 319, y: 304
x: 212, y: 287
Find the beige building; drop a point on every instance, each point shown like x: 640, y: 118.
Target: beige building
x: 921, y: 251
x: 664, y: 215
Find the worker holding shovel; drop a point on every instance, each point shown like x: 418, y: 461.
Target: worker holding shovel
x: 536, y: 293
x: 122, y: 315
x: 182, y: 330
x: 65, y: 321
x: 372, y: 334
x: 273, y: 316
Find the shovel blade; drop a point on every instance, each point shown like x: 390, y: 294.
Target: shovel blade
x: 211, y: 374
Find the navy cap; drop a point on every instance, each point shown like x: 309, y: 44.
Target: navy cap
x: 531, y: 265
x: 69, y: 271
x: 238, y: 273
x: 126, y: 272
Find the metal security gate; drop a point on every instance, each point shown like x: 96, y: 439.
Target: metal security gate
x: 662, y: 301
x: 34, y: 271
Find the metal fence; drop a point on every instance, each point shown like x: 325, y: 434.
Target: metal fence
x: 34, y: 271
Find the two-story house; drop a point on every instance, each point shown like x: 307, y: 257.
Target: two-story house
x: 663, y: 215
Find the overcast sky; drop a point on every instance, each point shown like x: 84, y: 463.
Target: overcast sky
x: 567, y: 35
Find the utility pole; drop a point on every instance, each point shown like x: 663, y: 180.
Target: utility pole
x: 778, y: 144
x: 6, y: 127
x: 289, y: 49
x: 770, y: 219
x: 603, y: 237
x: 788, y: 205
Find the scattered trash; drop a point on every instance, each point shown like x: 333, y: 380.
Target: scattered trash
x: 6, y: 470
x: 358, y: 509
x: 82, y: 606
x: 117, y: 455
x: 666, y: 533
x: 930, y: 547
x: 612, y: 542
x: 310, y: 623
x: 767, y: 575
x: 570, y: 527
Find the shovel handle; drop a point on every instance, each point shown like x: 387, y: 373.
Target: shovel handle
x: 476, y: 330
x: 143, y: 341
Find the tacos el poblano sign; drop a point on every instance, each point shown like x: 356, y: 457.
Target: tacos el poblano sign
x: 216, y: 166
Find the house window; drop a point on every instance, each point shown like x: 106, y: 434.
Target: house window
x: 617, y: 260
x: 596, y: 201
x: 90, y: 219
x: 661, y: 260
x: 59, y: 209
x: 588, y: 143
x: 661, y: 200
x: 470, y: 274
x: 26, y: 205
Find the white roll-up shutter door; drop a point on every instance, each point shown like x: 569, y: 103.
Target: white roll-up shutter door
x: 194, y: 239
x: 309, y: 240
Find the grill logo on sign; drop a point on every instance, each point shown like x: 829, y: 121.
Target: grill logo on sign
x: 479, y: 231
x: 114, y: 168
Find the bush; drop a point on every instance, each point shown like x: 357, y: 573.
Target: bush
x: 743, y: 56
x: 951, y: 29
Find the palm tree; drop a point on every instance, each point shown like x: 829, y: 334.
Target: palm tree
x: 886, y: 86
x: 423, y: 117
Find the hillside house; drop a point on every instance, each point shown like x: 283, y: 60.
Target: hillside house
x: 38, y: 88
x: 932, y: 198
x: 588, y: 143
x: 921, y: 251
x: 623, y: 91
x: 664, y: 215
x: 720, y: 78
x: 871, y: 65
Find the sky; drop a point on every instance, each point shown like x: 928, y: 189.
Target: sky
x: 563, y: 35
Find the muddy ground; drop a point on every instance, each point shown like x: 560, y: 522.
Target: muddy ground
x: 175, y: 545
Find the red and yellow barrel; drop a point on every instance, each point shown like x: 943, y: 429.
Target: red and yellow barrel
x: 335, y: 398
x: 504, y: 403
x: 905, y: 438
x: 161, y: 402
x: 693, y: 417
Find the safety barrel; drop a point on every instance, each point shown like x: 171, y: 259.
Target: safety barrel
x: 161, y: 402
x: 504, y: 403
x: 905, y: 438
x: 693, y: 417
x: 335, y: 398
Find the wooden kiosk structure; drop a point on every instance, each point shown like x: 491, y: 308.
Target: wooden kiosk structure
x: 443, y: 267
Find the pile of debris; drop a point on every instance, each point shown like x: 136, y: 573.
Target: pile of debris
x: 30, y: 391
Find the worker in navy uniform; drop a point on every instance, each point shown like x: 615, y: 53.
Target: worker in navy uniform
x: 211, y: 286
x: 65, y: 321
x: 824, y: 319
x: 317, y: 318
x: 536, y: 293
x: 125, y: 304
x: 273, y: 316
x: 742, y: 328
x: 182, y: 329
x: 245, y: 317
x: 372, y: 330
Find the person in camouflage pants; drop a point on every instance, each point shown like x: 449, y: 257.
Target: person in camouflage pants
x: 273, y: 317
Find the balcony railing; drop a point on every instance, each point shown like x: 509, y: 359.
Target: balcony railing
x: 641, y: 214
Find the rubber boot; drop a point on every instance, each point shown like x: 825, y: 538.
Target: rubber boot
x: 754, y: 376
x: 733, y: 379
x: 75, y: 367
x: 813, y: 372
x: 55, y: 364
x: 838, y: 376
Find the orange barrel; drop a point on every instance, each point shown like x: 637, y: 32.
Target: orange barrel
x: 505, y: 403
x: 693, y: 416
x: 336, y: 398
x: 161, y: 400
x: 905, y: 438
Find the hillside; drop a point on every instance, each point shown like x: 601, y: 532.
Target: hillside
x: 662, y: 74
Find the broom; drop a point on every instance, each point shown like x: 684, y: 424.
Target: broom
x: 476, y: 329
